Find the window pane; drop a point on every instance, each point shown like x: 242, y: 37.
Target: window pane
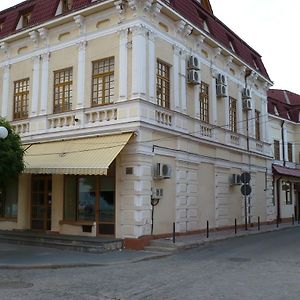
x: 86, y: 198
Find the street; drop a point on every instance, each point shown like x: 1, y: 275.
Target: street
x: 264, y: 266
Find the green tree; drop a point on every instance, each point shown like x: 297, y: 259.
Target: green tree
x: 11, y: 156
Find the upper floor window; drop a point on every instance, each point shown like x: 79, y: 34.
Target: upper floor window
x: 257, y: 124
x: 63, y: 90
x: 1, y: 25
x: 290, y: 152
x: 103, y: 82
x: 21, y: 98
x: 287, y: 187
x: 163, y: 84
x: 66, y: 5
x: 232, y: 115
x: 26, y: 19
x: 204, y: 102
x: 276, y: 150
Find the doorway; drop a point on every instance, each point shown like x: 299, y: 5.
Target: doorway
x: 41, y: 202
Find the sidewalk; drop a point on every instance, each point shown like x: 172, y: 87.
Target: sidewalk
x: 196, y: 240
x: 14, y: 256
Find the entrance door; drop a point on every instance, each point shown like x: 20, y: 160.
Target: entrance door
x: 41, y: 200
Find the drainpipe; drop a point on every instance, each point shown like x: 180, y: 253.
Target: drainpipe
x: 283, y: 143
x: 278, y: 198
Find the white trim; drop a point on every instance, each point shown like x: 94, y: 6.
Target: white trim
x: 123, y: 64
x: 44, y: 83
x: 5, y: 90
x: 35, y: 86
x: 81, y: 74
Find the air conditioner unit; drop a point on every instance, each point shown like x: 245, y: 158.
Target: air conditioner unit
x: 193, y: 77
x: 246, y: 94
x: 157, y: 193
x: 221, y: 90
x: 235, y: 179
x: 162, y: 171
x: 193, y: 63
x: 247, y: 104
x: 221, y: 79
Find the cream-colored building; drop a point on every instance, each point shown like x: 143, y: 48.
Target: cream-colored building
x: 125, y: 104
x: 284, y: 129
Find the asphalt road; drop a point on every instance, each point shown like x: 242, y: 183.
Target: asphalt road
x: 264, y: 266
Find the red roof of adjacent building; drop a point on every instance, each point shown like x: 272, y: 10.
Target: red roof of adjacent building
x: 285, y: 102
x: 44, y: 10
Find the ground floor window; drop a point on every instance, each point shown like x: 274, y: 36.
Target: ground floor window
x: 9, y: 201
x: 90, y: 199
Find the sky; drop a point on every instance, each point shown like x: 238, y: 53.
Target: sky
x: 269, y: 26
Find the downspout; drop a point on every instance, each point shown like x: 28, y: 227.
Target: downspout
x: 283, y: 142
x: 278, y: 180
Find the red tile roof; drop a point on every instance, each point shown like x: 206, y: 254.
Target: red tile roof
x: 44, y: 10
x: 192, y: 11
x: 286, y: 102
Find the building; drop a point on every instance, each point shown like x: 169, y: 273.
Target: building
x: 134, y: 115
x: 284, y: 108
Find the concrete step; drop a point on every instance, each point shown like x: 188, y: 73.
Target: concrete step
x: 65, y: 242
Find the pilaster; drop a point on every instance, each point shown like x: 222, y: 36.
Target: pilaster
x: 139, y: 61
x: 35, y: 85
x: 5, y: 90
x: 81, y: 73
x: 44, y: 85
x: 123, y: 48
x: 152, y: 67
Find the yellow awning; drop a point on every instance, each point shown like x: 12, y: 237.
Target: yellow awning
x: 87, y: 156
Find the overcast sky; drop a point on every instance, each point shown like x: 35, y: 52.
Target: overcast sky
x: 269, y: 26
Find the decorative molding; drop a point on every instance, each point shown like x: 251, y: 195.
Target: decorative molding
x: 217, y: 52
x: 120, y: 7
x: 199, y: 41
x: 156, y: 8
x: 4, y: 47
x: 228, y: 61
x: 43, y: 33
x: 34, y: 36
x: 79, y: 21
x: 188, y: 29
x: 180, y: 25
x: 45, y: 56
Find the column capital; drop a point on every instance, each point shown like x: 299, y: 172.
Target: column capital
x: 152, y: 35
x: 34, y: 37
x: 82, y: 45
x: 46, y: 56
x: 139, y: 29
x: 4, y: 46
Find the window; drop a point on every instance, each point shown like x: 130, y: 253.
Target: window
x: 287, y: 188
x: 276, y: 112
x: 103, y: 84
x: 66, y: 5
x: 26, y: 19
x: 290, y: 152
x: 257, y: 124
x: 89, y: 199
x: 9, y: 201
x: 21, y: 98
x: 1, y: 25
x: 163, y: 84
x: 232, y: 115
x: 276, y: 150
x: 204, y: 100
x: 63, y: 81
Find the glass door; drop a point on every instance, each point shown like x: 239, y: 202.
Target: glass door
x: 41, y: 201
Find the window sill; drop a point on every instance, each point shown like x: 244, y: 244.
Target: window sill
x: 3, y: 219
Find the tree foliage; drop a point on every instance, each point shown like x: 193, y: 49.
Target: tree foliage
x: 11, y: 156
